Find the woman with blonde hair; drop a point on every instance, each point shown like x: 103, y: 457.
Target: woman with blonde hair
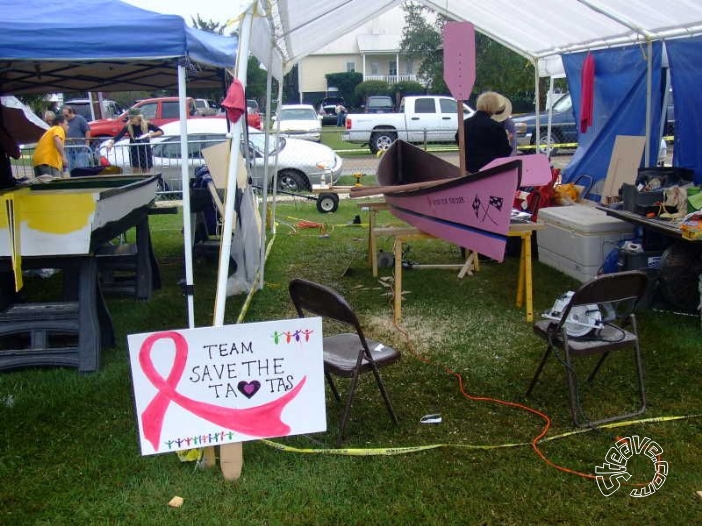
x: 49, y: 117
x: 485, y: 137
x: 140, y: 133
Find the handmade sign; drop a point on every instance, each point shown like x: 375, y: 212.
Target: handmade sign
x: 218, y: 385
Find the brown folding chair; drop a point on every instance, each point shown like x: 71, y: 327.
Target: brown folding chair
x: 349, y: 354
x: 616, y: 295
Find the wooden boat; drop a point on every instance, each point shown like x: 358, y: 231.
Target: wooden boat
x: 472, y: 211
x: 71, y: 216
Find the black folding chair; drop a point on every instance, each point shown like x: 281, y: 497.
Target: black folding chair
x: 346, y: 355
x: 616, y: 295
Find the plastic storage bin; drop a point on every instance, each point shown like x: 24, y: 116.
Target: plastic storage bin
x: 576, y: 239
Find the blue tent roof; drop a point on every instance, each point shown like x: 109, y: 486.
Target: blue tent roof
x: 87, y: 45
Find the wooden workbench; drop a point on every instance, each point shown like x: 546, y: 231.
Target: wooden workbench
x: 407, y: 233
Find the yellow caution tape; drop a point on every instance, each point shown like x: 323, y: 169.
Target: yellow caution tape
x: 389, y: 451
x: 553, y: 146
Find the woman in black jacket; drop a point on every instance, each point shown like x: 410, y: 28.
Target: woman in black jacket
x: 485, y: 137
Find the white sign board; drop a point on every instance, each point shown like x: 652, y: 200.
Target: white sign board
x: 216, y: 385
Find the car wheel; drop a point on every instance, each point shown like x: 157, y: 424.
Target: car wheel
x: 327, y: 203
x: 545, y: 141
x: 291, y: 181
x: 381, y: 141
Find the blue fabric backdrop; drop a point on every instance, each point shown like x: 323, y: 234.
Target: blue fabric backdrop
x: 619, y: 107
x: 685, y: 59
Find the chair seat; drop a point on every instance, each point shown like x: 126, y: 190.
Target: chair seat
x: 610, y: 337
x: 341, y: 352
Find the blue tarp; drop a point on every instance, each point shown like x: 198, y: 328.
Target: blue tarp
x: 619, y: 107
x: 685, y: 59
x: 81, y: 44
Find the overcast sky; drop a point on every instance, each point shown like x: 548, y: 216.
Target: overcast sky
x: 216, y: 10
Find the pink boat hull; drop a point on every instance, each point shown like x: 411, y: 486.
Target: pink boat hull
x: 472, y: 211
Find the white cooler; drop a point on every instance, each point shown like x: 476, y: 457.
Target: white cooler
x: 578, y: 238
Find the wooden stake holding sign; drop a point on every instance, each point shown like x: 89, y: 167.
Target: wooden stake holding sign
x: 459, y: 72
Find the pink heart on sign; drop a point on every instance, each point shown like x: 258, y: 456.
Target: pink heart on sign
x: 248, y: 389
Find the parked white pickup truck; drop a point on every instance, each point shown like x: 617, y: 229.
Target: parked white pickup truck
x: 420, y: 119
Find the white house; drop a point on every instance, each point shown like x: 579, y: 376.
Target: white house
x: 372, y: 49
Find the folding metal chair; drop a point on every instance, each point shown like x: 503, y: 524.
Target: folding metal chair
x: 346, y: 355
x: 616, y: 296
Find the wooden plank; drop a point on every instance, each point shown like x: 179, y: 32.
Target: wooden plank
x: 623, y: 165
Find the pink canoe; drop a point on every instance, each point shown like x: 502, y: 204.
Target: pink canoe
x: 472, y: 211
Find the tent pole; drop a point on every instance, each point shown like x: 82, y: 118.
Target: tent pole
x: 185, y: 179
x: 549, y: 101
x: 537, y: 105
x: 275, y: 162
x: 266, y: 172
x: 231, y: 456
x: 649, y: 87
x: 242, y: 59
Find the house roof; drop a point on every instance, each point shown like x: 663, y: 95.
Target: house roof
x: 378, y: 43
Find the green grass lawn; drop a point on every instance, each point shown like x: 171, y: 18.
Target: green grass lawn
x: 69, y: 442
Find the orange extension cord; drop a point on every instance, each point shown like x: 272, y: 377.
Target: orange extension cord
x: 543, y: 416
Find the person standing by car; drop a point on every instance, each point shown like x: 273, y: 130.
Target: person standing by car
x: 49, y: 117
x: 77, y: 138
x: 140, y: 133
x: 340, y: 110
x: 485, y: 138
x: 50, y: 154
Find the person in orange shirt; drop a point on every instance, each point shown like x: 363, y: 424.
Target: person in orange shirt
x: 50, y: 154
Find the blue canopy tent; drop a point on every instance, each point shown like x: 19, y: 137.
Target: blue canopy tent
x: 96, y: 45
x: 619, y: 106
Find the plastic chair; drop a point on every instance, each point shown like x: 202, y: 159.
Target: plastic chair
x: 346, y: 355
x: 616, y: 295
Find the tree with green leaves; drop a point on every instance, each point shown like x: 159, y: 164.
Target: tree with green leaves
x: 497, y: 67
x: 208, y: 25
x: 422, y: 42
x: 255, y: 75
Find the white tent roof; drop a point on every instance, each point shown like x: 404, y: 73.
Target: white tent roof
x: 540, y: 30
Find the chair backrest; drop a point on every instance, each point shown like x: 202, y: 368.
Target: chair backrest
x: 314, y: 298
x: 620, y: 292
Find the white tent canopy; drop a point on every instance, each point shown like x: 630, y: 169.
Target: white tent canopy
x: 280, y: 33
x: 540, y: 30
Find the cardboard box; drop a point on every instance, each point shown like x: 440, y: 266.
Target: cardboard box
x: 577, y: 239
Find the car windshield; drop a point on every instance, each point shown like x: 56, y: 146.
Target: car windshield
x: 380, y: 103
x: 297, y: 114
x: 257, y: 140
x: 565, y: 103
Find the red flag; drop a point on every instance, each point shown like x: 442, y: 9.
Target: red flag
x: 587, y: 94
x: 235, y: 101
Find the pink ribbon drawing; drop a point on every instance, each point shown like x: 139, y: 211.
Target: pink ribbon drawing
x: 259, y: 421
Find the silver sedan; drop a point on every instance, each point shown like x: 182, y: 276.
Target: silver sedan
x: 300, y: 163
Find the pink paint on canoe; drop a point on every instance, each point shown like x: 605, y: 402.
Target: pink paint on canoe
x: 478, y: 202
x: 472, y: 211
x: 491, y: 245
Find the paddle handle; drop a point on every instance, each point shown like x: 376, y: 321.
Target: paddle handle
x: 364, y: 191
